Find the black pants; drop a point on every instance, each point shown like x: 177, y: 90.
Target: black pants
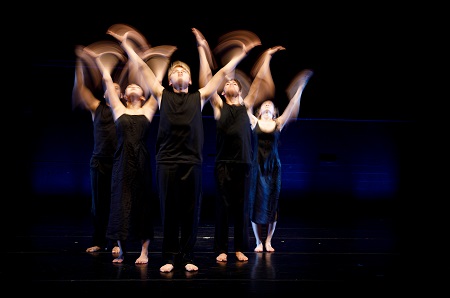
x: 232, y: 182
x: 180, y: 193
x: 100, y: 174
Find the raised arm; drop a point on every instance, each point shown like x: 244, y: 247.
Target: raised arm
x: 157, y: 58
x: 262, y: 87
x: 294, y: 91
x: 152, y: 84
x: 111, y: 54
x: 81, y: 94
x: 116, y: 105
x: 135, y: 37
x: 207, y: 63
x: 211, y: 87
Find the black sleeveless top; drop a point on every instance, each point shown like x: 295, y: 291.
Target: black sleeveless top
x: 180, y: 134
x: 233, y: 137
x: 105, y: 139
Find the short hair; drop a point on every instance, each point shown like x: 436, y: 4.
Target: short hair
x: 178, y: 63
x: 237, y: 82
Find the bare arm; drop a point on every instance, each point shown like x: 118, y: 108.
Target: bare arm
x: 205, y: 73
x: 211, y: 87
x: 152, y: 84
x: 157, y: 59
x: 295, y: 91
x: 116, y: 105
x: 207, y: 61
x: 80, y: 93
x: 262, y: 86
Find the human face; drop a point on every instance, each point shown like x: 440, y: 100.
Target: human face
x: 268, y: 107
x: 117, y: 89
x: 231, y: 89
x: 134, y: 89
x: 179, y: 78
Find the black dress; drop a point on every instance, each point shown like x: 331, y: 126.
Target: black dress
x: 131, y: 191
x: 266, y: 177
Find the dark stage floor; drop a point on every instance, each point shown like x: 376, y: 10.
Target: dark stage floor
x: 349, y: 252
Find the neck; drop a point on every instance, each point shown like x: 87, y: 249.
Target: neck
x: 134, y: 104
x: 181, y: 90
x: 232, y: 100
x: 266, y: 116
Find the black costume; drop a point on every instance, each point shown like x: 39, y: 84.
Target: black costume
x: 266, y: 177
x: 131, y: 195
x: 101, y: 163
x: 232, y: 173
x: 179, y: 149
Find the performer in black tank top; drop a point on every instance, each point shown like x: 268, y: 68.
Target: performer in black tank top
x: 101, y: 161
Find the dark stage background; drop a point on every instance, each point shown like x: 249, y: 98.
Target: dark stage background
x: 350, y: 146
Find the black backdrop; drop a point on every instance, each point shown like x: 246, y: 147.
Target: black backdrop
x: 357, y: 123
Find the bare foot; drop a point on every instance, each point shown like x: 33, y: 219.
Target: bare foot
x: 269, y: 247
x: 259, y: 248
x: 191, y: 267
x: 93, y: 249
x: 166, y: 268
x: 241, y: 257
x: 222, y: 257
x: 143, y: 259
x: 115, y: 250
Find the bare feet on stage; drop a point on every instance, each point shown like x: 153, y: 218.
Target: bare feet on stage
x: 93, y: 249
x: 166, y: 268
x: 191, y: 267
x: 259, y: 248
x: 269, y: 247
x: 241, y: 257
x: 222, y: 257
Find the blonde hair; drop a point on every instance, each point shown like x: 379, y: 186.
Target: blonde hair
x: 176, y: 64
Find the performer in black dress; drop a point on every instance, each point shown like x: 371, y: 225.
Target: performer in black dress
x: 266, y: 163
x: 131, y: 194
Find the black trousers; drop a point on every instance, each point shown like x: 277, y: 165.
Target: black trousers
x: 232, y: 183
x: 100, y: 174
x: 180, y: 193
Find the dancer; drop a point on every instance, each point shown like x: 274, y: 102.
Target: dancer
x: 131, y: 201
x: 266, y: 176
x: 179, y: 150
x: 234, y: 152
x: 105, y: 142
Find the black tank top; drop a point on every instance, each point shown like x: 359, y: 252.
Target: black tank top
x: 105, y: 139
x: 233, y: 137
x: 180, y: 134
